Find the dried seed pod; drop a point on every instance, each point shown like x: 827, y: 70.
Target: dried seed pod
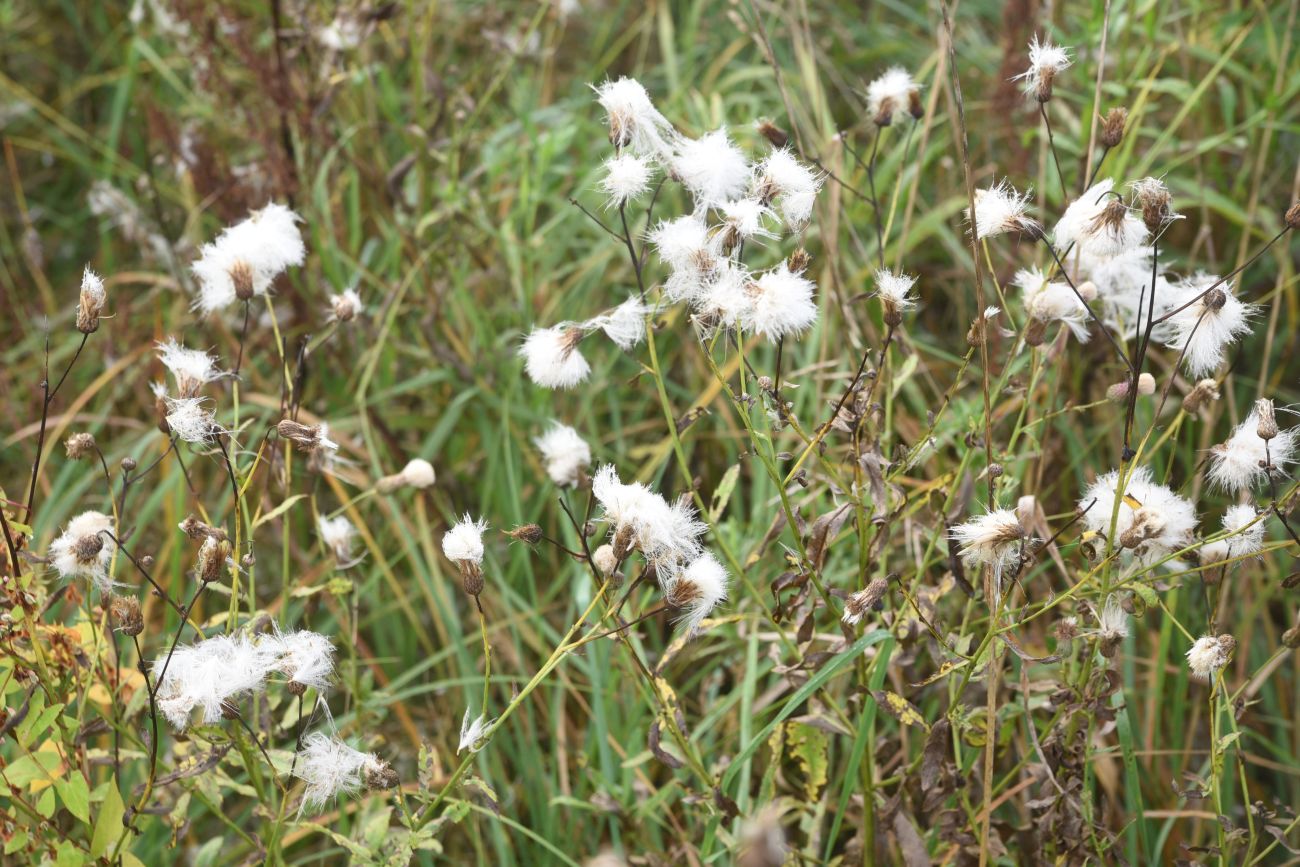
x: 1112, y: 127
x: 79, y: 445
x: 125, y: 611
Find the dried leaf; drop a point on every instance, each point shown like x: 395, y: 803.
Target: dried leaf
x: 899, y: 708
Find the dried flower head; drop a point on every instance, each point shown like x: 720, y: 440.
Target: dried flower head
x: 1246, y: 460
x: 696, y: 590
x: 859, y: 604
x: 1156, y: 202
x: 604, y: 560
x: 85, y: 549
x: 79, y: 445
x: 191, y: 368
x: 209, y: 676
x: 90, y: 302
x: 472, y: 732
x: 189, y: 419
x: 1112, y: 127
x: 565, y: 453
x: 893, y: 96
x: 1266, y: 419
x: 213, y: 557
x: 247, y: 257
x: 1209, y: 654
x: 1112, y: 626
x: 463, y: 545
x: 306, y: 658
x: 331, y: 768
x: 995, y: 539
x: 1046, y: 61
x: 306, y: 437
x: 895, y: 294
x: 552, y: 359
x: 346, y: 305
x: 999, y: 210
x: 125, y: 611
x: 634, y: 122
x: 1047, y: 302
x: 1202, y: 393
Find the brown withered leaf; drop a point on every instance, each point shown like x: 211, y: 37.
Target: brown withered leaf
x: 1024, y: 654
x: 659, y: 752
x: 824, y: 529
x: 935, y: 755
x: 910, y: 842
x: 899, y: 708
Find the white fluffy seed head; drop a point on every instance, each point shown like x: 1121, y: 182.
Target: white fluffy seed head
x: 1237, y: 464
x: 247, y: 257
x: 1207, y: 655
x: 895, y: 294
x: 1097, y: 225
x: 1152, y: 519
x: 744, y: 220
x: 627, y: 177
x: 781, y: 179
x: 1045, y: 62
x: 634, y: 122
x: 666, y: 535
x: 994, y: 539
x: 712, y: 168
x: 565, y: 453
x: 781, y: 304
x: 551, y: 357
x: 306, y: 658
x: 190, y: 420
x: 472, y: 732
x: 346, y: 306
x: 331, y: 768
x: 463, y: 543
x: 191, y: 368
x: 208, y: 674
x: 625, y: 324
x: 1113, y: 620
x: 999, y: 210
x: 1049, y: 301
x: 1246, y: 531
x: 892, y: 96
x: 84, y: 550
x: 418, y: 473
x: 696, y: 590
x: 1204, y: 330
x: 339, y: 536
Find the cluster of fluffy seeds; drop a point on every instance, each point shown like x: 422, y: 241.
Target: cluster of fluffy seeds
x: 999, y: 210
x: 463, y: 543
x: 1205, y: 318
x: 1151, y: 520
x: 330, y: 767
x: 211, y: 675
x: 1238, y: 463
x: 339, y: 535
x: 246, y: 258
x: 191, y: 368
x: 994, y: 539
x: 189, y: 419
x: 85, y: 550
x: 1046, y: 61
x: 565, y: 453
x: 1052, y: 301
x: 893, y: 96
x: 1210, y: 653
x: 1245, y: 536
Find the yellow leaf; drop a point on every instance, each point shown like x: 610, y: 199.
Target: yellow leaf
x: 900, y: 708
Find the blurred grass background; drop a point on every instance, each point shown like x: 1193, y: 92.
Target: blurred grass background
x: 433, y: 163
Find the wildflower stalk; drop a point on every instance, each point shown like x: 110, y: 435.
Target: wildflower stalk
x: 49, y: 395
x: 1051, y: 143
x: 1224, y: 279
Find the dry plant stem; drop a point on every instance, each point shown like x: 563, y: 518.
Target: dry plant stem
x: 487, y: 654
x: 1051, y: 145
x: 45, y: 416
x: 162, y: 594
x: 243, y: 335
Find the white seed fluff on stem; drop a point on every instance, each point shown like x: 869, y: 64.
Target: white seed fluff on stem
x: 691, y: 253
x: 190, y: 420
x: 1235, y: 464
x: 339, y: 536
x: 1045, y: 62
x: 1049, y: 301
x: 565, y: 453
x: 696, y: 590
x: 1097, y: 225
x: 625, y: 324
x: 209, y: 673
x: 472, y: 731
x: 418, y: 473
x: 781, y: 304
x: 552, y: 359
x: 743, y: 220
x: 895, y: 290
x: 1000, y: 209
x: 1112, y: 622
x: 84, y: 550
x: 1203, y: 331
x: 666, y: 535
x: 891, y: 96
x: 1152, y: 519
x: 192, y: 368
x: 306, y: 658
x: 1207, y: 656
x: 726, y: 300
x: 995, y: 539
x: 627, y: 177
x: 90, y: 301
x: 247, y: 257
x: 331, y: 768
x: 712, y: 168
x: 782, y: 179
x: 1247, y: 533
x: 463, y: 543
x: 633, y: 120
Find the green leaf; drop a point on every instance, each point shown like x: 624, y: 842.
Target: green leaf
x: 75, y: 795
x: 277, y: 511
x: 1147, y: 593
x: 722, y: 494
x: 108, y: 824
x: 33, y: 766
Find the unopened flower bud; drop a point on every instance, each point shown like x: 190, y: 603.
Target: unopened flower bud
x: 307, y: 437
x: 604, y: 560
x: 79, y: 445
x: 1087, y: 291
x: 773, y: 133
x: 1292, y: 216
x: 1112, y: 127
x: 129, y: 465
x: 213, y: 554
x: 1291, y: 638
x: 799, y: 261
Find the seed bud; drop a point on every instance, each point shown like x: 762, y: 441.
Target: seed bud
x: 1112, y: 127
